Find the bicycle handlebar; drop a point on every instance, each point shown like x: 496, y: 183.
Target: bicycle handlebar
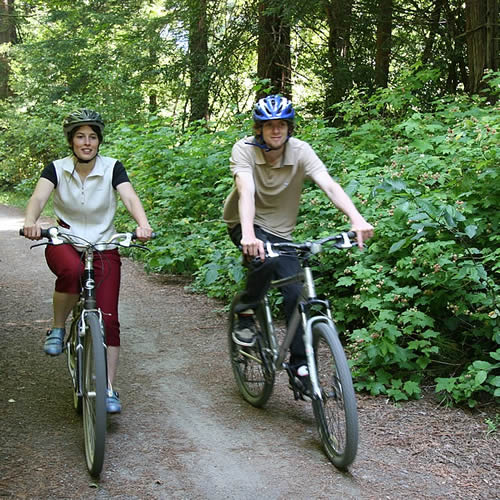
x: 56, y: 237
x: 307, y: 248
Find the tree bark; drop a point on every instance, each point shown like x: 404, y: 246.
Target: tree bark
x: 198, y: 61
x: 274, y: 60
x: 7, y: 36
x: 482, y: 40
x: 338, y: 14
x: 384, y: 42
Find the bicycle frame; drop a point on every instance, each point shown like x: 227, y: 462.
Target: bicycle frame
x: 86, y: 303
x: 301, y: 314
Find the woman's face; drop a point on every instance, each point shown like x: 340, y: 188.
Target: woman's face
x: 85, y: 143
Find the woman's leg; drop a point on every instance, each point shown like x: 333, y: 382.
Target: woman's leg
x: 64, y: 261
x: 107, y: 277
x: 63, y: 303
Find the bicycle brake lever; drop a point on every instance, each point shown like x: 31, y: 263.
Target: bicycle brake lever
x: 142, y: 247
x: 39, y: 244
x: 270, y: 251
x: 127, y: 242
x: 346, y: 242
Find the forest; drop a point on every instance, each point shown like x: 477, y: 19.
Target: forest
x: 399, y: 98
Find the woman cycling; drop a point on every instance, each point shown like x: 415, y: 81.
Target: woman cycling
x: 85, y: 186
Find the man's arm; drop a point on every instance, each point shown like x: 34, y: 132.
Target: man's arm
x: 245, y: 185
x: 342, y: 201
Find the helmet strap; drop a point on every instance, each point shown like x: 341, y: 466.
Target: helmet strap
x: 81, y: 160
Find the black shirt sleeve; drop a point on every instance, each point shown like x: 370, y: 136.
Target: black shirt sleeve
x: 49, y: 173
x: 119, y: 174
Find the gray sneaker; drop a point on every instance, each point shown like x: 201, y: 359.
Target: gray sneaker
x: 245, y: 331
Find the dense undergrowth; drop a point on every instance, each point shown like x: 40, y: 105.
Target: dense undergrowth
x: 419, y: 307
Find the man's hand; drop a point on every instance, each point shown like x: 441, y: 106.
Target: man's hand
x: 143, y: 233
x: 252, y: 247
x: 363, y: 232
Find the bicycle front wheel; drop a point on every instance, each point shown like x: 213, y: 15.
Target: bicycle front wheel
x: 336, y: 413
x: 94, y: 394
x: 74, y: 359
x: 251, y: 365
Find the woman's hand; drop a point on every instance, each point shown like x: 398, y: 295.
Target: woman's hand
x: 32, y: 231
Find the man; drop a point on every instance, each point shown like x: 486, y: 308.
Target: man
x: 269, y: 171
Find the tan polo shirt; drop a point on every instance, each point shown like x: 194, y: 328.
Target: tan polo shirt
x: 277, y: 188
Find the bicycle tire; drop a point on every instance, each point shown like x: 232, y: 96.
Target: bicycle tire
x: 94, y: 394
x: 335, y: 412
x: 74, y: 366
x: 252, y: 370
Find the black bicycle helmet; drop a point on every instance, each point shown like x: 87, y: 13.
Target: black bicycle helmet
x: 273, y: 107
x: 82, y: 117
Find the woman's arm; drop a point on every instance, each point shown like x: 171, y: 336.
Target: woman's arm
x: 36, y: 204
x: 134, y: 206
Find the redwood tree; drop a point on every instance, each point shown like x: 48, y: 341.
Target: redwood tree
x: 384, y: 37
x: 482, y: 39
x: 274, y: 61
x: 7, y: 36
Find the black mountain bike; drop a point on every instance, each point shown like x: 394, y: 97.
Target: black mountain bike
x: 254, y: 368
x: 85, y: 346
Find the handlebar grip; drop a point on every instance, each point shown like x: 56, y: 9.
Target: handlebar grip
x: 44, y: 233
x: 134, y: 236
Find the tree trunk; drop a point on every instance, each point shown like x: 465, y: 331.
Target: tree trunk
x: 274, y: 60
x: 482, y: 40
x: 433, y: 31
x: 384, y: 43
x: 198, y: 61
x: 338, y: 13
x: 7, y: 36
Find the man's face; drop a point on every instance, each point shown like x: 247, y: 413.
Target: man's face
x: 275, y: 133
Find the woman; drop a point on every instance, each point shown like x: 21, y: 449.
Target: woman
x: 85, y: 186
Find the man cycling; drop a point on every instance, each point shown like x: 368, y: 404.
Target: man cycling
x: 269, y: 171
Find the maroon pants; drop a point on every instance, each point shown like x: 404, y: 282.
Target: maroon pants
x: 66, y: 263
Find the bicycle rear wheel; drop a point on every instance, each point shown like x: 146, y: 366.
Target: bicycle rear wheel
x: 94, y: 394
x: 251, y: 365
x: 73, y: 352
x: 336, y: 413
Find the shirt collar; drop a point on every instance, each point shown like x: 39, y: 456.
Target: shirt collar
x: 69, y: 166
x: 287, y: 158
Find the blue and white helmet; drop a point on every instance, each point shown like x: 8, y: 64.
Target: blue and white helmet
x: 273, y: 107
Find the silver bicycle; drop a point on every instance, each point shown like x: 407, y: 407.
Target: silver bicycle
x: 333, y: 397
x: 85, y: 346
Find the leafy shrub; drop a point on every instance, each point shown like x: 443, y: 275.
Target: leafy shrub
x: 419, y: 307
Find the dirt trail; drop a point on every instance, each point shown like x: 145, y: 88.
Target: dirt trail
x: 184, y: 432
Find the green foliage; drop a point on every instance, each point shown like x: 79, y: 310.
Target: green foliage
x: 419, y: 307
